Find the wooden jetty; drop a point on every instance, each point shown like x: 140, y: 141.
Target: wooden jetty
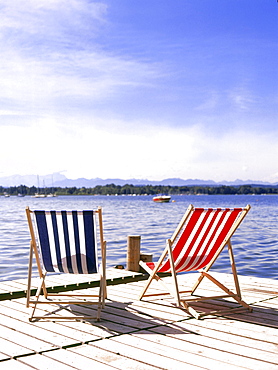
x: 140, y: 335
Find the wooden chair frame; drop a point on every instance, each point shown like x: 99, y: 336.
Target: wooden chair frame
x: 176, y: 293
x: 73, y: 299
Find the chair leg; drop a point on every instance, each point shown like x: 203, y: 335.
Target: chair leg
x: 37, y: 297
x: 227, y: 291
x: 152, y: 276
x: 102, y: 291
x: 100, y: 302
x: 232, y: 259
x: 28, y: 294
x: 190, y: 310
x: 174, y: 276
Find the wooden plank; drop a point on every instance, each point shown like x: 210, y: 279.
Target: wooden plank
x: 4, y: 357
x: 269, y: 303
x: 4, y: 289
x: 156, y: 311
x: 31, y: 343
x: 15, y: 365
x: 58, y: 334
x: 257, y: 288
x: 164, y: 308
x: 143, y: 354
x: 43, y: 362
x: 207, y: 288
x: 153, y: 313
x: 13, y: 285
x: 66, y: 282
x: 183, y: 351
x: 53, y: 335
x: 197, y: 353
x: 122, y: 317
x: 72, y: 329
x: 150, y: 334
x: 240, y: 330
x: 212, y: 342
x: 11, y: 349
x: 77, y: 361
x: 117, y: 360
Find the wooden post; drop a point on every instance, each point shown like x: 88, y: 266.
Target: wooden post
x: 133, y: 253
x: 145, y: 257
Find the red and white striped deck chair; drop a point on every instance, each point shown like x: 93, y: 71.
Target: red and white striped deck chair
x: 66, y: 242
x: 195, y: 245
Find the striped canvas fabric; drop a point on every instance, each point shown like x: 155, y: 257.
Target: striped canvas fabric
x: 67, y: 241
x: 200, y: 238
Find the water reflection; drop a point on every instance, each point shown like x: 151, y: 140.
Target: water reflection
x: 256, y: 241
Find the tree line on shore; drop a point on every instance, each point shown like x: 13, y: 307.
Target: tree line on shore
x: 129, y: 189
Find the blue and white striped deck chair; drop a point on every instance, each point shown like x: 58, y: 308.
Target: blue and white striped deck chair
x: 66, y: 242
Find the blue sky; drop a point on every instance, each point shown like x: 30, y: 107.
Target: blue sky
x: 139, y: 89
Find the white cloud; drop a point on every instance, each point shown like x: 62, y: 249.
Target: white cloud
x: 241, y: 98
x: 69, y: 100
x: 239, y: 154
x: 53, y: 60
x: 86, y: 151
x: 49, y: 17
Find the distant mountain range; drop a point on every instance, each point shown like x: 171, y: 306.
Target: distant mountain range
x: 59, y: 180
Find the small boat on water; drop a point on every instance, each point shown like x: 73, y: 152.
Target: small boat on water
x: 162, y: 198
x: 38, y: 195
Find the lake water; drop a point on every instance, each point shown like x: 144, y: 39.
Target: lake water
x: 255, y: 242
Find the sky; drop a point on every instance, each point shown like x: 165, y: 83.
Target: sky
x: 150, y: 89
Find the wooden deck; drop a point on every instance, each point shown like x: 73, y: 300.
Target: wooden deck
x: 141, y: 335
